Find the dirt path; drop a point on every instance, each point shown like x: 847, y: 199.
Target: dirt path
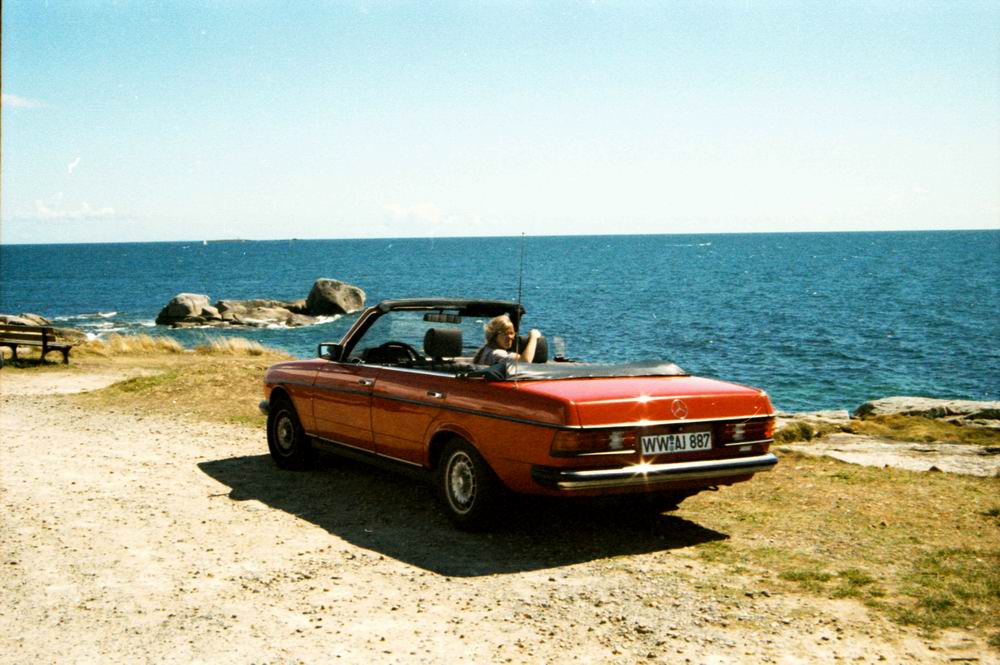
x: 126, y: 537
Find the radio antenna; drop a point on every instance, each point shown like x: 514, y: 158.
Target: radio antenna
x: 520, y: 280
x: 520, y: 310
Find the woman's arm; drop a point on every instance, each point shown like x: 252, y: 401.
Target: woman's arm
x: 528, y: 353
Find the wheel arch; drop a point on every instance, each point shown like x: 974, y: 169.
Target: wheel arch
x: 279, y: 392
x: 440, y: 439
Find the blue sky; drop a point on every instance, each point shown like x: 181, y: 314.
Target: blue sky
x: 127, y: 121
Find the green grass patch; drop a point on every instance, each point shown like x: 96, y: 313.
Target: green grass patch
x: 715, y: 551
x: 856, y: 583
x: 811, y: 579
x: 141, y: 384
x: 847, y: 583
x: 918, y: 548
x: 258, y: 420
x: 953, y: 588
x: 850, y: 475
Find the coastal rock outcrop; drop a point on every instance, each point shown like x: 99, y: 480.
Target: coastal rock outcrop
x: 183, y: 307
x: 24, y: 319
x: 264, y: 312
x: 956, y: 410
x: 28, y: 319
x: 328, y: 297
x: 806, y: 425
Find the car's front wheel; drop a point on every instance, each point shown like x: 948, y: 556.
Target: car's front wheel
x: 290, y: 447
x: 469, y: 489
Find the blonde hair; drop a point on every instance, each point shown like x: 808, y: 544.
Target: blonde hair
x: 496, y: 326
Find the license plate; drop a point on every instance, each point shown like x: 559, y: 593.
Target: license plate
x: 682, y: 442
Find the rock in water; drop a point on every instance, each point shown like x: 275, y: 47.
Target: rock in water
x: 24, y: 319
x: 329, y: 297
x: 183, y: 306
x: 28, y: 319
x: 261, y: 312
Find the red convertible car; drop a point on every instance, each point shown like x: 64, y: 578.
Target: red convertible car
x: 400, y: 389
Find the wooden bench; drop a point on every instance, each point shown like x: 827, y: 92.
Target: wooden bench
x: 42, y: 336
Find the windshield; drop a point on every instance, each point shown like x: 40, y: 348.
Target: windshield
x: 409, y: 327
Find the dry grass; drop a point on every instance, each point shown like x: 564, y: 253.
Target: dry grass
x: 153, y: 345
x: 216, y: 383
x: 223, y: 388
x: 221, y: 379
x: 922, y: 548
x: 236, y: 346
x: 118, y: 345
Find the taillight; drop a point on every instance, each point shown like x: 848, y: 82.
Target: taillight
x: 578, y: 442
x: 751, y: 430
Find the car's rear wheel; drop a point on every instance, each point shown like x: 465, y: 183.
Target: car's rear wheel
x: 469, y: 489
x: 290, y: 447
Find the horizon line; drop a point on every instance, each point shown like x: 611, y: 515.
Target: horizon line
x: 499, y: 237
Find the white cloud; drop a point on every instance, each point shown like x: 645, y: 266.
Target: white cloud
x: 72, y: 165
x: 17, y: 102
x: 419, y: 213
x: 56, y: 210
x: 428, y: 220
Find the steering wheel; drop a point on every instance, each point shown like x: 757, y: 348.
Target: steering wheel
x: 410, y: 352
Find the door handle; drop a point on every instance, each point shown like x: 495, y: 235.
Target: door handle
x: 366, y: 382
x: 435, y: 394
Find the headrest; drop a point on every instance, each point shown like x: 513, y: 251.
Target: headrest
x: 443, y: 342
x: 541, y: 348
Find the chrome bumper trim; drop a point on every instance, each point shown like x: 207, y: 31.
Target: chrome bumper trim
x: 749, y: 443
x: 651, y: 474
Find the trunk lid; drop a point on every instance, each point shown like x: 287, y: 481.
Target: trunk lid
x: 647, y: 401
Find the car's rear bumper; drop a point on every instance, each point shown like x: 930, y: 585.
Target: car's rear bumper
x: 264, y: 406
x: 651, y: 475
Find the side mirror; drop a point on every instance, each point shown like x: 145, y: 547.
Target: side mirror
x: 329, y: 350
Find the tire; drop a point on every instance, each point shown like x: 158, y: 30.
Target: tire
x: 469, y: 490
x: 290, y: 447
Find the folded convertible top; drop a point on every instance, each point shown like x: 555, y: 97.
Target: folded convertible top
x: 509, y: 371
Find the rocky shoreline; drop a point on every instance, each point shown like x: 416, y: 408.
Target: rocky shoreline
x: 849, y: 438
x: 29, y: 319
x: 328, y: 297
x: 964, y: 413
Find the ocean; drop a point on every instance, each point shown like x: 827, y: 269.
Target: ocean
x: 819, y: 320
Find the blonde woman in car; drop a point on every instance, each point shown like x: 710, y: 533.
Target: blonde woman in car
x: 500, y: 336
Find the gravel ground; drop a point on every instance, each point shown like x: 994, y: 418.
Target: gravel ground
x: 128, y: 537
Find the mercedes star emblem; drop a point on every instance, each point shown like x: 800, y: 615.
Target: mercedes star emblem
x: 679, y: 409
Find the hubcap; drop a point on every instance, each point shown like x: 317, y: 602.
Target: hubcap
x: 284, y: 434
x: 461, y: 482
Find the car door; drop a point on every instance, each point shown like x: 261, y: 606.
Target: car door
x: 343, y: 402
x: 404, y: 404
